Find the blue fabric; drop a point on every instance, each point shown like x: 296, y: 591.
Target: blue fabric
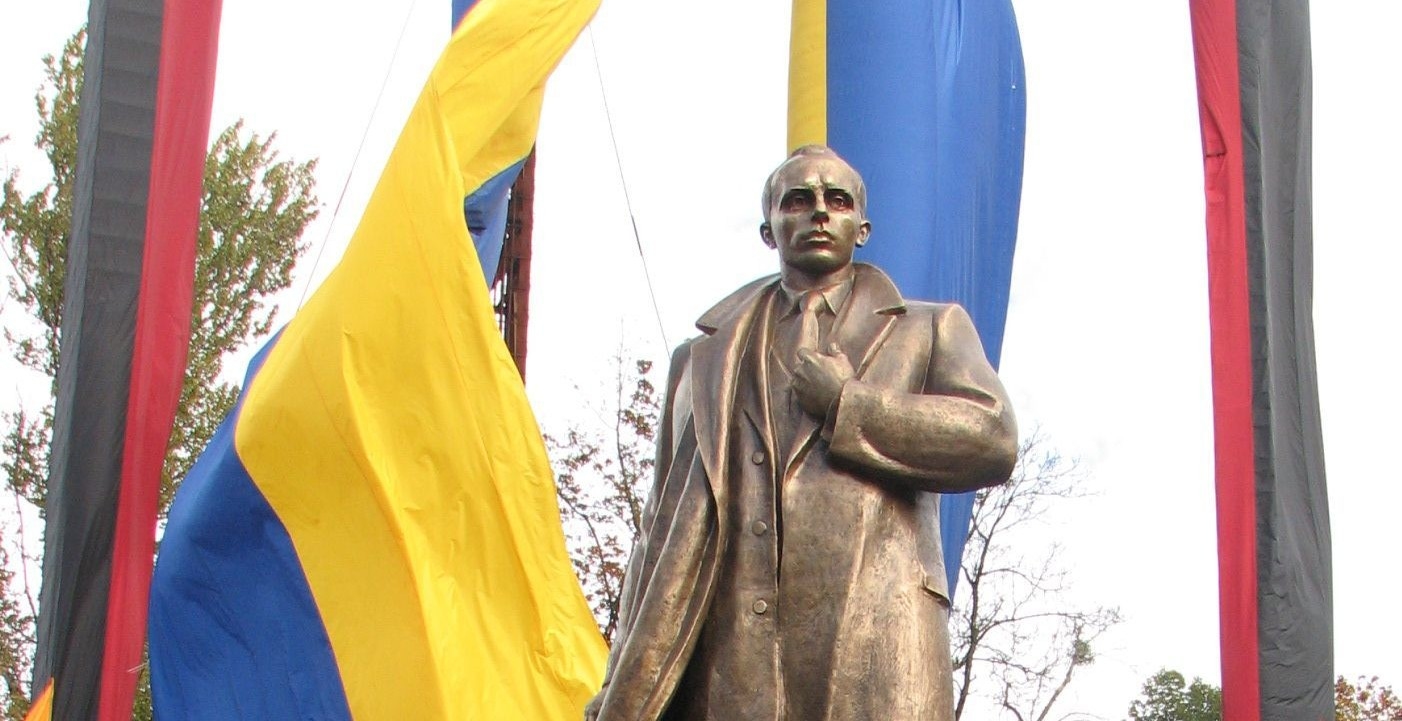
x: 235, y: 630
x: 460, y: 8
x: 927, y: 99
x: 223, y: 542
x: 485, y: 210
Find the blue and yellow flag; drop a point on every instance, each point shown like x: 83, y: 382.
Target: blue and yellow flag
x: 927, y: 100
x: 373, y: 533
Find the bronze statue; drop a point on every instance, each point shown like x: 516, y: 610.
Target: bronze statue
x: 789, y: 565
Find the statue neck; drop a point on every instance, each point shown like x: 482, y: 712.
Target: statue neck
x: 799, y: 281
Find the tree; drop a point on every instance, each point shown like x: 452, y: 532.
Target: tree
x: 1017, y: 641
x: 602, y: 481
x: 1367, y: 699
x: 255, y: 208
x: 1167, y: 696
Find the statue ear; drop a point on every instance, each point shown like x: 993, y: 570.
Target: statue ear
x: 766, y: 233
x: 864, y: 234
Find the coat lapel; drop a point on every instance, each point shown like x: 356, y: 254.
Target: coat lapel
x: 758, y: 410
x: 867, y: 316
x: 863, y: 322
x: 715, y: 365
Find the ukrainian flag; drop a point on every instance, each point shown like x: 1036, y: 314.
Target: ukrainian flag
x: 373, y: 533
x: 927, y: 100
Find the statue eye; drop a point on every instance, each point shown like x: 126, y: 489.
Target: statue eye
x: 797, y: 200
x: 838, y: 200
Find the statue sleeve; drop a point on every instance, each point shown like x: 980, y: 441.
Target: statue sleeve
x: 957, y: 435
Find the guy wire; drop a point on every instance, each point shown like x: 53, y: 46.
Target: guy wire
x: 627, y: 200
x: 355, y: 161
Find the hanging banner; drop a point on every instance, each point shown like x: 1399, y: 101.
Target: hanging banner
x: 1253, y: 70
x: 927, y: 100
x: 143, y: 130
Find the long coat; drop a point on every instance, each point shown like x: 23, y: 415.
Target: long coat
x: 924, y: 414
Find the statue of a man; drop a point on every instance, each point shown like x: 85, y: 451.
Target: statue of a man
x: 789, y: 565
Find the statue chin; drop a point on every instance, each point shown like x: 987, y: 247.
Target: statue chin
x: 816, y: 265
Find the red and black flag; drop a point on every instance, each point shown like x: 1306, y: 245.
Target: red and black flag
x: 1254, y: 88
x: 143, y: 130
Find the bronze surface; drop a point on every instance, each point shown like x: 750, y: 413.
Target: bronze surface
x: 789, y: 565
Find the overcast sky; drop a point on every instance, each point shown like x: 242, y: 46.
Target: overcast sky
x: 1106, y: 345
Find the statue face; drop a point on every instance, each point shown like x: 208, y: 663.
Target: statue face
x: 814, y: 221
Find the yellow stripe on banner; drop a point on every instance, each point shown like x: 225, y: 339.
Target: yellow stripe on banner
x: 389, y: 428
x: 808, y: 74
x: 43, y: 708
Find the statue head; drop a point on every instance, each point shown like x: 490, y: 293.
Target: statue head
x: 814, y: 212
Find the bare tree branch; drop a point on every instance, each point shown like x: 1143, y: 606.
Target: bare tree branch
x: 1018, y: 643
x: 601, y: 491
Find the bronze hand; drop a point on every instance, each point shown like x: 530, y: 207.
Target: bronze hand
x: 819, y: 377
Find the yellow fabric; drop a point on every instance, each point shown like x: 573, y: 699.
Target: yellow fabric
x: 808, y: 74
x: 389, y: 429
x: 43, y: 708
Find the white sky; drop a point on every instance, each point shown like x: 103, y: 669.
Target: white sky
x: 1106, y: 345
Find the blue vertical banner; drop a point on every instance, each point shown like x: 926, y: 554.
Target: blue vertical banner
x: 927, y: 99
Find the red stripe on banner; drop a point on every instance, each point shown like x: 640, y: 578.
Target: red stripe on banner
x: 184, y: 93
x: 1219, y: 102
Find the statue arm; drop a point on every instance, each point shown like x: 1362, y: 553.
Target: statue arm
x: 957, y: 435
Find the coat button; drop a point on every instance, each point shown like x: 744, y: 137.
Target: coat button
x: 760, y: 607
x: 759, y: 527
x: 757, y: 457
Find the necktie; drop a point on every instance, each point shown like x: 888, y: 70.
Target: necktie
x: 793, y: 334
x: 810, y: 306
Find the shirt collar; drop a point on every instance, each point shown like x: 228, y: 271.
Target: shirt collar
x: 833, y: 296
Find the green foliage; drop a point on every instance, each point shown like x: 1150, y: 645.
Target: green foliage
x: 16, y: 622
x: 255, y: 208
x: 141, y: 709
x: 1167, y: 696
x: 35, y: 228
